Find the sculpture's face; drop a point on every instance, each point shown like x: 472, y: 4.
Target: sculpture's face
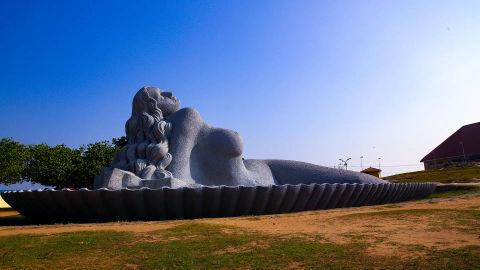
x: 166, y: 101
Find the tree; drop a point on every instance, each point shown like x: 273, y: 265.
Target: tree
x: 94, y: 157
x: 58, y: 166
x: 52, y: 166
x: 120, y: 142
x: 13, y: 160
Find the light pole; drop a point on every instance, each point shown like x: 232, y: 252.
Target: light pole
x: 464, y: 156
x: 361, y: 163
x: 345, y: 162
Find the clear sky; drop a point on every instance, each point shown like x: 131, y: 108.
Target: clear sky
x: 305, y: 80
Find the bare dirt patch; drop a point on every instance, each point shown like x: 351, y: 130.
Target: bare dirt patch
x: 136, y: 227
x: 388, y: 235
x: 295, y: 265
x: 151, y: 238
x: 242, y: 248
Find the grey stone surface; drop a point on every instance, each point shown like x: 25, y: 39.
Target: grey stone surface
x: 147, y: 153
x: 114, y: 178
x: 166, y: 143
x: 213, y: 156
x: 195, y: 202
x: 170, y: 182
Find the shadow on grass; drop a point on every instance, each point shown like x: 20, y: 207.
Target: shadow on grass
x: 9, y: 217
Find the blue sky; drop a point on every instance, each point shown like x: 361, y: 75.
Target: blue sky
x: 304, y: 80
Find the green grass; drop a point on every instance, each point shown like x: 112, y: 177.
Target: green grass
x: 193, y: 246
x: 200, y: 246
x: 456, y: 191
x: 467, y: 220
x: 451, y: 175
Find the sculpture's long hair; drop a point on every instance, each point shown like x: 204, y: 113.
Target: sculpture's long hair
x: 147, y: 134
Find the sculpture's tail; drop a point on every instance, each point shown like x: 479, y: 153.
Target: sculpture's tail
x: 295, y: 172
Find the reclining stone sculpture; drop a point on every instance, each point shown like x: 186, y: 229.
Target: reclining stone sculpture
x: 174, y: 148
x: 177, y: 166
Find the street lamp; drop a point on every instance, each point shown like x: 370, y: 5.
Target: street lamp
x: 464, y: 156
x: 345, y: 162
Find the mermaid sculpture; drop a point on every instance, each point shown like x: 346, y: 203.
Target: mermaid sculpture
x: 177, y: 166
x: 175, y: 148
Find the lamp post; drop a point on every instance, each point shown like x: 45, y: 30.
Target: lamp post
x: 345, y: 162
x: 464, y: 156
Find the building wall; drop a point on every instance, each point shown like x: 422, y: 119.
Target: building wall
x: 437, y: 164
x: 449, y: 162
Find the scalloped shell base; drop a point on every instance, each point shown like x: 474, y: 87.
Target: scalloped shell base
x: 49, y: 206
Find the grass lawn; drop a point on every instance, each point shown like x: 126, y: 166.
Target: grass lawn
x: 203, y: 246
x: 457, y: 191
x: 452, y: 175
x: 439, y: 233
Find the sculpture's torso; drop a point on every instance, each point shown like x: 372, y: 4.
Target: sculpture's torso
x: 213, y: 156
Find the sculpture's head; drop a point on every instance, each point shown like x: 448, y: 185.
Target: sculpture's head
x: 154, y: 102
x: 146, y: 153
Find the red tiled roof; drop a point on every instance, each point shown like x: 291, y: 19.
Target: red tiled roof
x: 468, y: 135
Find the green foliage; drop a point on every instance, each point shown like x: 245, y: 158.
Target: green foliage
x: 93, y: 158
x: 120, y: 142
x: 52, y: 166
x: 13, y: 160
x: 58, y: 166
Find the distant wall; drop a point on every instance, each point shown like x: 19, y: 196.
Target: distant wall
x: 450, y: 162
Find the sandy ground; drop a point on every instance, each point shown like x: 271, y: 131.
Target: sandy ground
x: 389, y: 234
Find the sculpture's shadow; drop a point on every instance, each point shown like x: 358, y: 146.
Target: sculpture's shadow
x: 10, y: 217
